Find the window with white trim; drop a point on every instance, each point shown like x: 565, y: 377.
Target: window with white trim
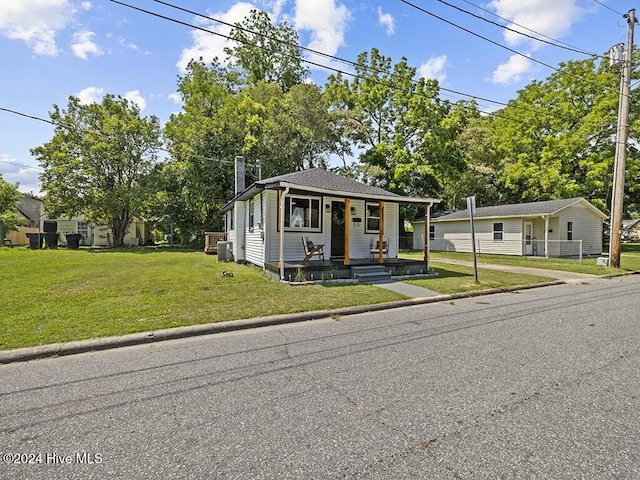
x: 498, y: 231
x: 432, y: 232
x: 569, y: 230
x: 372, y: 217
x: 251, y: 214
x: 301, y: 213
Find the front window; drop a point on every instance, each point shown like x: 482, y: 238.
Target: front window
x: 251, y: 213
x: 498, y: 231
x: 569, y: 230
x: 301, y: 213
x: 373, y: 217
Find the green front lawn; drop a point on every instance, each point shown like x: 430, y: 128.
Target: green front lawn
x: 629, y: 261
x: 50, y: 296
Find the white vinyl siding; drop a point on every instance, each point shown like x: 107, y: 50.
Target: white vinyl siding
x: 586, y: 227
x: 360, y: 242
x: 455, y: 236
x: 254, y: 239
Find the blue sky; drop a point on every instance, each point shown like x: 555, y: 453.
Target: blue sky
x: 52, y: 49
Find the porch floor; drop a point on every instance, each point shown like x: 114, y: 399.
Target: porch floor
x: 336, y: 269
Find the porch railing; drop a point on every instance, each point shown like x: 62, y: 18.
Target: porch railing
x: 211, y: 240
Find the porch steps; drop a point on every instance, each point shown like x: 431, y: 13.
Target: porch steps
x: 370, y: 273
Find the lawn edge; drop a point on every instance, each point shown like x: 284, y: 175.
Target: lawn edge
x: 106, y: 343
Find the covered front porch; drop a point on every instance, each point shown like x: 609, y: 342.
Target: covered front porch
x: 335, y: 269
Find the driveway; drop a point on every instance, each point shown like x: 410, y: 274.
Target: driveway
x: 569, y: 277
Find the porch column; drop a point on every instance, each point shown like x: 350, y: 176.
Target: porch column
x: 381, y: 233
x: 281, y: 197
x: 427, y: 208
x: 546, y: 237
x: 347, y: 212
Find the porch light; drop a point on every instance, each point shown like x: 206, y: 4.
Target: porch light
x: 327, y: 207
x: 353, y: 210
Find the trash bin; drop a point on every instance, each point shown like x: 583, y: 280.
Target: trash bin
x: 35, y: 240
x: 51, y: 240
x: 73, y: 240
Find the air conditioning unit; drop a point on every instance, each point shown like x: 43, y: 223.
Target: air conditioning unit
x: 225, y: 251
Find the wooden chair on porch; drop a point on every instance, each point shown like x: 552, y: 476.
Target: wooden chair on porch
x: 375, y: 248
x: 311, y: 250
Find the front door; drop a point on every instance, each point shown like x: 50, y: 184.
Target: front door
x: 528, y: 238
x: 337, y: 230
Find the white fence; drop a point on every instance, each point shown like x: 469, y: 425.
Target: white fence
x: 532, y: 248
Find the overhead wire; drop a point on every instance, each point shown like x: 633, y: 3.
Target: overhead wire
x: 548, y: 42
x: 427, y: 12
x: 555, y: 40
x: 608, y: 8
x: 327, y: 67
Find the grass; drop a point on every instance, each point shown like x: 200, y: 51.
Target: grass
x: 630, y: 261
x: 50, y: 296
x: 456, y: 278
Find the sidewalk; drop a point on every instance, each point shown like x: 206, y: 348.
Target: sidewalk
x: 568, y: 277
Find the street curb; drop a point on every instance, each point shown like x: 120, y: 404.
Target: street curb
x: 106, y: 343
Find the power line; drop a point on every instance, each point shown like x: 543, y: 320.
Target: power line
x: 21, y: 165
x: 489, y: 40
x: 522, y: 26
x: 349, y: 62
x: 423, y: 10
x: 609, y: 8
x: 571, y: 49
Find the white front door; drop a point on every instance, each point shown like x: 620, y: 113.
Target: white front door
x: 528, y: 238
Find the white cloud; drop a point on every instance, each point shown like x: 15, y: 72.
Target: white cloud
x: 550, y: 17
x: 90, y: 95
x: 134, y: 97
x: 36, y: 22
x: 434, y: 68
x: 387, y: 20
x: 513, y: 70
x: 326, y: 22
x: 175, y: 97
x: 208, y: 46
x: 16, y: 171
x: 83, y: 45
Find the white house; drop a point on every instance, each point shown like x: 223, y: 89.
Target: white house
x: 552, y: 228
x: 267, y: 222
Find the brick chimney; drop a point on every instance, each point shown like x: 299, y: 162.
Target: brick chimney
x: 240, y: 175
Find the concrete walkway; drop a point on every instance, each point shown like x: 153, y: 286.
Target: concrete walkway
x: 569, y: 277
x: 411, y: 291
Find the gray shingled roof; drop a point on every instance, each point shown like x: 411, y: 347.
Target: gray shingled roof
x: 318, y: 178
x: 515, y: 210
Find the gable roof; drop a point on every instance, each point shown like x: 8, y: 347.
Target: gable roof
x: 317, y: 180
x: 531, y: 209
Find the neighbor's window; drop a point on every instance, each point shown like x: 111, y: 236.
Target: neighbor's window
x: 432, y: 232
x: 373, y: 217
x: 251, y: 213
x: 498, y: 231
x: 301, y: 213
x: 569, y: 230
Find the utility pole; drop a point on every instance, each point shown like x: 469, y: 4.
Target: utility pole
x: 621, y: 148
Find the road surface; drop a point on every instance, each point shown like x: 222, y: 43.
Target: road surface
x: 542, y: 384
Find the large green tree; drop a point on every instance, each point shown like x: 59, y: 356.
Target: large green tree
x: 9, y: 196
x: 557, y: 138
x: 222, y: 118
x: 264, y: 52
x: 404, y: 135
x: 98, y: 162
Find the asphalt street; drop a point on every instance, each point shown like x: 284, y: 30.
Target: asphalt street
x: 540, y: 384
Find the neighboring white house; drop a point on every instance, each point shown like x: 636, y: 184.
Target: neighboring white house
x: 552, y: 228
x: 267, y: 221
